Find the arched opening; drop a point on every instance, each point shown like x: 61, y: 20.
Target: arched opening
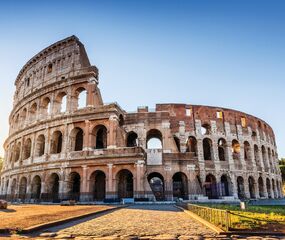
x: 27, y: 149
x: 154, y: 139
x: 36, y: 188
x: 251, y: 187
x: 177, y: 143
x: 56, y: 142
x: 207, y: 148
x: 23, y: 188
x: 191, y: 145
x: 236, y: 150
x: 14, y: 189
x: 40, y: 146
x: 61, y: 102
x: 273, y: 189
x: 76, y: 138
x: 261, y: 187
x: 222, y: 149
x: 121, y: 120
x: 125, y: 184
x: 24, y: 115
x: 205, y: 129
x: 225, y: 186
x: 211, y: 186
x: 53, y: 187
x: 263, y: 150
x: 247, y: 151
x: 240, y: 188
x: 99, y: 135
x: 17, y: 152
x: 180, y: 185
x: 156, y: 182
x: 33, y: 112
x: 132, y: 139
x: 269, y: 157
x: 98, y: 185
x: 46, y: 106
x: 256, y: 155
x: 81, y: 94
x: 268, y: 187
x: 74, y: 186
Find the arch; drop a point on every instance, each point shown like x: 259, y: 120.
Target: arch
x: 14, y: 189
x: 36, y: 187
x: 121, y: 120
x: 17, y: 152
x: 98, y: 185
x: 154, y: 139
x: 240, y: 188
x: 76, y: 138
x: 73, y: 186
x: 236, y: 149
x: 125, y: 184
x: 53, y: 187
x: 99, y: 135
x: 81, y: 95
x: 225, y: 190
x: 156, y: 182
x: 191, y: 145
x: 177, y: 142
x: 211, y: 186
x: 46, y: 106
x: 251, y: 187
x: 256, y: 155
x: 273, y: 189
x: 23, y: 188
x: 247, y: 151
x: 27, y: 149
x: 132, y: 139
x: 33, y: 111
x: 263, y: 151
x: 261, y: 187
x: 205, y: 129
x: 24, y: 115
x: 207, y: 149
x: 268, y: 188
x: 180, y: 185
x: 56, y: 142
x: 40, y: 146
x: 222, y: 149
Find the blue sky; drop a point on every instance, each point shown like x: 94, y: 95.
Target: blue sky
x: 221, y: 53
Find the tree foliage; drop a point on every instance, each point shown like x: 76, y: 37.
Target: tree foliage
x: 282, y: 168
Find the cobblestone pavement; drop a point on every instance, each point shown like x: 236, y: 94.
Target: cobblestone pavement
x: 146, y: 222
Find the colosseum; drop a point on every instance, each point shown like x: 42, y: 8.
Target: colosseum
x: 65, y: 143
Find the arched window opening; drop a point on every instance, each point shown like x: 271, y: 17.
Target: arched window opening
x: 82, y: 98
x: 36, y: 188
x: 154, y: 139
x: 225, y: 186
x: 121, y: 120
x: 254, y: 135
x: 269, y: 156
x: 177, y: 143
x: 261, y: 187
x: 23, y: 188
x: 125, y: 184
x: 264, y: 158
x: 273, y: 189
x: 27, y: 149
x: 236, y: 150
x: 24, y: 115
x: 206, y: 129
x: 14, y: 189
x: 56, y: 142
x: 251, y: 186
x: 211, y: 187
x: 99, y: 134
x: 132, y: 139
x: 74, y: 186
x: 46, y: 106
x: 180, y: 185
x: 49, y: 68
x: 40, y: 146
x: 207, y: 148
x: 77, y: 139
x: 98, y: 185
x: 53, y: 188
x: 156, y: 182
x: 247, y: 151
x: 240, y: 186
x: 17, y: 152
x: 33, y: 112
x: 222, y: 149
x: 268, y: 187
x: 256, y: 155
x: 191, y: 145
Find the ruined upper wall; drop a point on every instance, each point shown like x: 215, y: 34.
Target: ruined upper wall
x: 59, y: 61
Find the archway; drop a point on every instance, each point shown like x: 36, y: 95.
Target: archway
x: 251, y: 187
x: 99, y: 136
x: 98, y: 185
x: 180, y: 185
x: 261, y: 187
x: 74, y: 186
x: 207, y: 148
x: 156, y: 182
x: 36, y: 188
x: 125, y: 184
x: 222, y: 147
x: 23, y: 188
x: 191, y: 145
x: 53, y: 187
x: 40, y: 146
x: 225, y: 186
x: 56, y: 142
x: 13, y: 189
x: 268, y: 187
x: 132, y: 139
x: 211, y: 187
x: 240, y: 188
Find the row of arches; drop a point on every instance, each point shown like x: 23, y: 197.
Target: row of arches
x: 48, y: 105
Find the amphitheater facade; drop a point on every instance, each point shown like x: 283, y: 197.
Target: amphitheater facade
x: 65, y: 143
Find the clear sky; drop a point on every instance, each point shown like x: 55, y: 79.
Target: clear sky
x: 224, y: 53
